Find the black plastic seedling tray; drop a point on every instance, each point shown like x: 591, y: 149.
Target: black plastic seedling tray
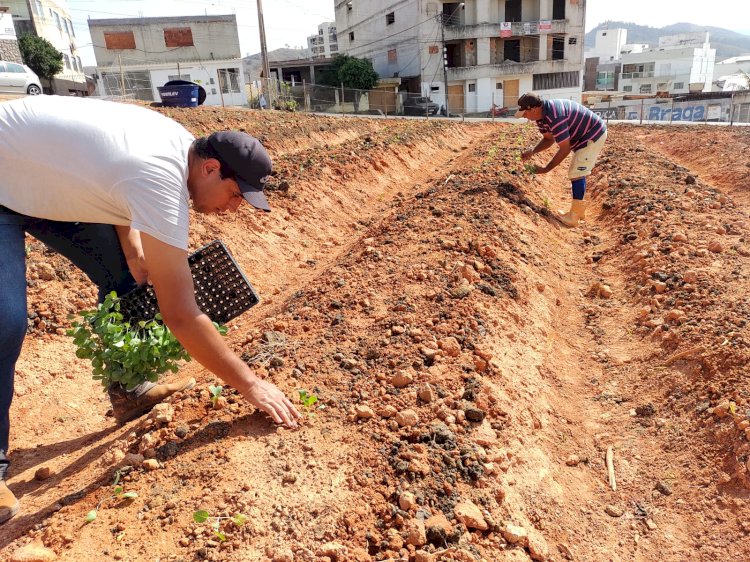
x: 221, y: 289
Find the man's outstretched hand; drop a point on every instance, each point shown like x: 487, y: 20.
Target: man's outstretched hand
x: 267, y: 397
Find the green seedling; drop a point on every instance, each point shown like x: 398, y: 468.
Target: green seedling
x: 530, y: 169
x: 202, y: 516
x: 307, y: 399
x: 546, y: 202
x: 119, y: 494
x: 124, y: 352
x: 215, y: 393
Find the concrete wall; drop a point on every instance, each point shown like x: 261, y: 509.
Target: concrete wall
x: 8, y: 44
x: 374, y: 38
x: 214, y: 38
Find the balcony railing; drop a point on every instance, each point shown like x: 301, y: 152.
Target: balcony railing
x: 454, y: 31
x: 512, y: 68
x: 628, y: 75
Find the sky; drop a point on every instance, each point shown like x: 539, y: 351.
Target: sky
x: 290, y: 22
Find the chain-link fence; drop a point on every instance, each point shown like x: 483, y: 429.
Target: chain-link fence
x: 388, y: 102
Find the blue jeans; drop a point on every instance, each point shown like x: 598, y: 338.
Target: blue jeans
x: 94, y: 248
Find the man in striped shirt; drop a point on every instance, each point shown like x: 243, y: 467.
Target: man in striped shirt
x: 575, y: 129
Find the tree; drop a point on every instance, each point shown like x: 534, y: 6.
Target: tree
x: 41, y: 57
x: 353, y: 73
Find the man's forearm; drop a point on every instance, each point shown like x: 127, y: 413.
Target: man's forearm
x: 561, y: 154
x: 204, y: 344
x: 542, y: 145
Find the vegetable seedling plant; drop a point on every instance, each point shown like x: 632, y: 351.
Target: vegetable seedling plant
x: 126, y: 352
x: 118, y: 494
x: 203, y: 516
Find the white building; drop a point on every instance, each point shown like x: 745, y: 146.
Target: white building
x: 325, y: 44
x: 680, y: 64
x: 8, y: 42
x: 135, y: 56
x: 50, y: 20
x: 733, y: 74
x: 608, y: 44
x: 495, y: 50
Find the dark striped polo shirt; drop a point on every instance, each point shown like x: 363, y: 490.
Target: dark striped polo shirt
x: 567, y: 119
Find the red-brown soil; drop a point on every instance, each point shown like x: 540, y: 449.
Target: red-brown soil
x: 463, y: 347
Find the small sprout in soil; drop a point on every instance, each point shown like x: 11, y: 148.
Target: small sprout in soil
x: 546, y: 202
x: 307, y: 400
x: 215, y: 393
x: 529, y: 169
x: 118, y: 494
x: 202, y: 516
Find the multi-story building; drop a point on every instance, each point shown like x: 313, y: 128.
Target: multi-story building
x: 602, y: 67
x: 135, y: 56
x: 325, y: 44
x: 50, y: 20
x: 733, y: 74
x: 493, y: 50
x: 8, y: 42
x: 680, y: 64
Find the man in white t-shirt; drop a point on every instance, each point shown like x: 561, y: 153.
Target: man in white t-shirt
x: 109, y: 186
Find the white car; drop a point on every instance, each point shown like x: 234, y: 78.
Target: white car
x: 18, y: 79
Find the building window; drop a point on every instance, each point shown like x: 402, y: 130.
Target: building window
x: 554, y: 80
x: 498, y: 85
x: 472, y: 88
x: 351, y: 36
x: 392, y: 56
x: 390, y: 18
x: 178, y: 77
x: 229, y: 80
x: 72, y: 31
x: 66, y: 59
x: 558, y: 48
x: 57, y: 21
x: 116, y: 40
x: 178, y: 37
x: 80, y: 64
x: 572, y: 40
x: 627, y: 88
x: 679, y: 85
x: 645, y: 88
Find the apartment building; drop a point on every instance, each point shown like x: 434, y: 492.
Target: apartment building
x: 50, y: 19
x: 493, y: 50
x: 602, y: 66
x: 8, y: 42
x: 679, y: 64
x: 134, y: 56
x: 325, y: 44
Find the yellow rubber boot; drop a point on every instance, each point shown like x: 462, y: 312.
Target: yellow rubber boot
x: 577, y: 213
x: 8, y: 503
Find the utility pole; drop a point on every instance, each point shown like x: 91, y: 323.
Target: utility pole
x: 445, y: 61
x: 122, y: 75
x: 264, y: 49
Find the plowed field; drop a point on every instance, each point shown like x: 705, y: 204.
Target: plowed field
x: 473, y: 361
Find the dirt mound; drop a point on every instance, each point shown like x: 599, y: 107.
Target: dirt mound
x: 472, y: 363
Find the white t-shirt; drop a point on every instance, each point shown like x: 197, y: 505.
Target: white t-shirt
x: 83, y: 160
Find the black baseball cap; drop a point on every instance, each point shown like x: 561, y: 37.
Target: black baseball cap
x: 526, y: 102
x: 248, y: 160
